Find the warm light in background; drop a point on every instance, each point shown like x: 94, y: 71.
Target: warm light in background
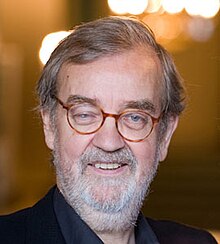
x: 154, y: 6
x: 209, y: 8
x: 49, y: 43
x: 128, y: 6
x: 163, y: 16
x: 192, y: 7
x: 200, y: 29
x: 117, y: 6
x: 203, y: 8
x: 173, y: 6
x: 173, y: 19
x: 161, y: 26
x: 136, y: 6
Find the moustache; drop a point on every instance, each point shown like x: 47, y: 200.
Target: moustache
x: 123, y: 156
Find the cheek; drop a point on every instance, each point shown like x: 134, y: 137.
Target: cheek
x: 145, y: 152
x: 72, y: 145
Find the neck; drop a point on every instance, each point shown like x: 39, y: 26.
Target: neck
x: 126, y: 237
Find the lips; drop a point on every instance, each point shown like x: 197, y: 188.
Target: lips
x: 110, y: 163
x: 107, y: 166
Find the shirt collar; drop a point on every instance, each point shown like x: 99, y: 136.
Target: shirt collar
x: 143, y: 231
x: 75, y: 230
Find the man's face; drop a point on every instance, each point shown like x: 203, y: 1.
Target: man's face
x: 87, y: 165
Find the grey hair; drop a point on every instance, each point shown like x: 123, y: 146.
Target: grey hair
x: 105, y: 37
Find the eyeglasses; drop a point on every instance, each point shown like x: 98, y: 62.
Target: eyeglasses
x: 85, y: 118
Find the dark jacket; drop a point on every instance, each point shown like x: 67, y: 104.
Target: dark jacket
x: 38, y: 225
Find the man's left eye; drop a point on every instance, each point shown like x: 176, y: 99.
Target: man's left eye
x: 135, y: 118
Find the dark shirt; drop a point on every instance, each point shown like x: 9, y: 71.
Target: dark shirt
x: 75, y: 230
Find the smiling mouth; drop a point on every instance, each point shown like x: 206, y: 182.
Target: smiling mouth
x: 107, y: 166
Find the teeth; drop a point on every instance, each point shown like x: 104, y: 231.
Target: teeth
x: 107, y: 166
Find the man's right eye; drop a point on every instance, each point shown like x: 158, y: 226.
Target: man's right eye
x: 85, y: 117
x: 82, y: 116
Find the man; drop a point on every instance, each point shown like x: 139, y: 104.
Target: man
x: 110, y: 98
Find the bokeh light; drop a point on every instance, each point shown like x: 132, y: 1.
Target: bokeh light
x: 209, y: 8
x: 169, y: 21
x: 135, y: 7
x: 153, y: 6
x: 117, y: 6
x: 192, y: 7
x: 200, y: 29
x: 49, y: 43
x: 173, y: 6
x: 203, y: 8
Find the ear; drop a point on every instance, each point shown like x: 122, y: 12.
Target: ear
x: 165, y: 141
x: 49, y: 134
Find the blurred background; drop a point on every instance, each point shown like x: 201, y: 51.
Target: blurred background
x: 187, y: 188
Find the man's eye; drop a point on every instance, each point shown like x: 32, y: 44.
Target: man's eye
x: 135, y: 121
x: 82, y: 116
x: 86, y: 116
x: 135, y: 118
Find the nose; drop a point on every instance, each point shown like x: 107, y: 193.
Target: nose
x: 107, y: 137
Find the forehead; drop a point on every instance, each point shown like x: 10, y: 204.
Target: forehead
x: 114, y: 80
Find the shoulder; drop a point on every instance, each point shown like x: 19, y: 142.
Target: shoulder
x: 20, y: 216
x: 172, y: 232
x: 15, y: 227
x: 12, y: 226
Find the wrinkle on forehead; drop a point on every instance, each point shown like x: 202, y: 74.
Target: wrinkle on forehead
x: 148, y: 71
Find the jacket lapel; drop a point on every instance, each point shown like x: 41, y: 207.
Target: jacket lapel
x: 42, y: 226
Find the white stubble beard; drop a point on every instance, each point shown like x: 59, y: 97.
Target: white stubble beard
x: 120, y: 212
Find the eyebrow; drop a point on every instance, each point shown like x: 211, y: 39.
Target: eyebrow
x: 75, y: 99
x: 143, y: 104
